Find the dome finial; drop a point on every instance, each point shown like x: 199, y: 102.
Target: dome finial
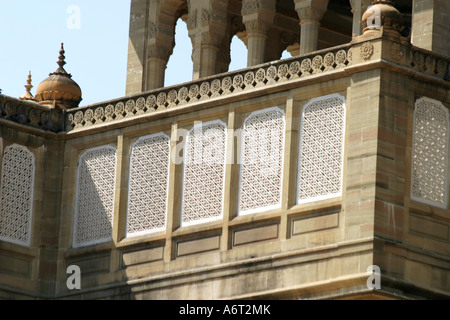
x: 62, y: 57
x: 29, y: 86
x: 61, y: 63
x: 27, y: 95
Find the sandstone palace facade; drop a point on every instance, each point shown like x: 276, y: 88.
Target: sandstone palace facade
x: 297, y: 178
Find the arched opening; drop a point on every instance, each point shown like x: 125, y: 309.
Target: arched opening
x: 238, y: 51
x: 179, y: 67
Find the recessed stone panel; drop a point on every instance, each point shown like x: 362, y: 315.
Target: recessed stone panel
x: 263, y: 233
x: 132, y: 258
x: 311, y: 224
x: 92, y: 265
x: 428, y: 227
x: 198, y: 245
x: 15, y: 265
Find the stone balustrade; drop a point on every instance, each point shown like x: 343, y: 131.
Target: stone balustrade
x: 31, y: 114
x: 264, y: 75
x: 218, y: 86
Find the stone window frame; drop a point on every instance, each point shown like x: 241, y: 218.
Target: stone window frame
x: 447, y: 160
x: 161, y: 229
x: 342, y: 151
x: 76, y: 244
x: 186, y: 137
x: 242, y: 150
x: 31, y: 196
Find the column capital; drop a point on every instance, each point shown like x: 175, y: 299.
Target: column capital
x: 258, y: 15
x: 310, y: 10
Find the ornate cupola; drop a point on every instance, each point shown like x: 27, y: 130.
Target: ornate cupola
x: 59, y: 90
x: 382, y: 16
x: 28, y: 95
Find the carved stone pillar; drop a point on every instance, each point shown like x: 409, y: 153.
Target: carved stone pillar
x: 310, y: 13
x: 156, y: 65
x: 358, y: 8
x: 136, y: 46
x: 257, y: 16
x: 152, y: 28
x: 207, y: 25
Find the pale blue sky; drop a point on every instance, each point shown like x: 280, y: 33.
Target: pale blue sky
x: 95, y: 36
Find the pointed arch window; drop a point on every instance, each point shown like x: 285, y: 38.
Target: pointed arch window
x: 95, y: 196
x: 16, y: 195
x: 429, y: 176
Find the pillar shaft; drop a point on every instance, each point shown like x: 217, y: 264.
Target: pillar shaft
x: 156, y: 62
x: 256, y: 49
x: 257, y: 16
x: 208, y: 60
x: 136, y: 47
x: 310, y: 13
x: 152, y: 32
x: 309, y: 37
x: 207, y: 25
x: 155, y: 73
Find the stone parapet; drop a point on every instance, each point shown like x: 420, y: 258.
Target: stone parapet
x: 31, y: 115
x: 268, y: 75
x: 208, y: 89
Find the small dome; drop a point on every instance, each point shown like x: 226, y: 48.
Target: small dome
x: 59, y: 89
x: 382, y: 13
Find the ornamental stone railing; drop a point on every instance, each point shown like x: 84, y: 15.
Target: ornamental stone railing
x: 425, y: 61
x: 265, y: 75
x: 226, y: 84
x: 31, y: 114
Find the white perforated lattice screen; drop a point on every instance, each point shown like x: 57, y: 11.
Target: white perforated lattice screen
x: 95, y: 196
x: 203, y: 180
x: 16, y: 195
x: 430, y: 152
x: 149, y: 176
x: 262, y: 161
x: 321, y: 149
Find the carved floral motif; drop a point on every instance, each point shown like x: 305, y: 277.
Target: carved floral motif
x: 366, y: 50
